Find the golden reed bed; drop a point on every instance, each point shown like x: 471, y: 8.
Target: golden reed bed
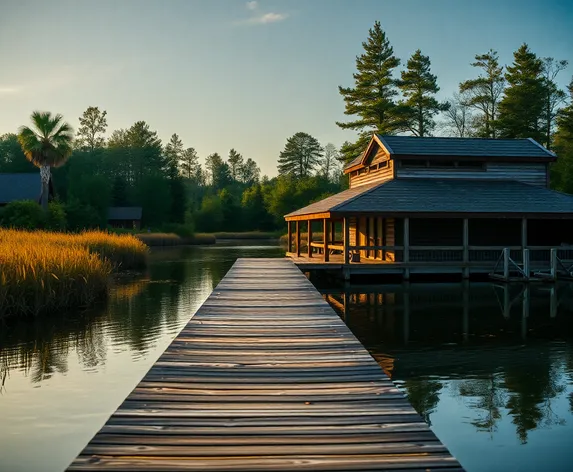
x: 42, y: 272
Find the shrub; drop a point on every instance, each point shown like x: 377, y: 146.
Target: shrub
x: 24, y: 214
x: 56, y: 218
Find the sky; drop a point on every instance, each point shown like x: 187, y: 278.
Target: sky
x: 243, y: 74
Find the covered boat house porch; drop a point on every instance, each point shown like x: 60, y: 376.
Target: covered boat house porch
x: 410, y: 226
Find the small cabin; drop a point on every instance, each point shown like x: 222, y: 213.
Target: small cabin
x: 124, y: 217
x: 437, y: 200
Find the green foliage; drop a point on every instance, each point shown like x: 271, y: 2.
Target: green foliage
x: 522, y: 106
x: 301, y: 155
x: 155, y: 199
x: 210, y: 217
x: 189, y: 164
x: 81, y: 216
x: 24, y: 214
x: 418, y: 86
x: 93, y: 124
x: 119, y: 191
x: 256, y: 215
x: 56, y: 218
x: 92, y: 191
x: 12, y: 158
x: 236, y: 163
x: 562, y: 171
x: 372, y: 100
x: 483, y: 94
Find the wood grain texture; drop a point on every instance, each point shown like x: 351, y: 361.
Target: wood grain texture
x: 265, y: 376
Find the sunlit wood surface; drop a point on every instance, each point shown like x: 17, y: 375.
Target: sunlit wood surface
x: 265, y: 376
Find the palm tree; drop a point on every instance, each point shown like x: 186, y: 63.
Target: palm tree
x: 47, y: 144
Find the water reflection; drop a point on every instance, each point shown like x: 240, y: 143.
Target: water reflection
x: 492, y: 359
x: 62, y: 376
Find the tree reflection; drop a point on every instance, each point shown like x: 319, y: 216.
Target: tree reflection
x: 489, y: 399
x: 424, y: 395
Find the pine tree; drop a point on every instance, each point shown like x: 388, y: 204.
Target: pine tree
x: 93, y: 124
x: 173, y: 154
x: 562, y: 171
x: 189, y: 163
x: 219, y: 171
x: 521, y: 109
x: 235, y: 162
x: 301, y: 155
x: 484, y: 93
x: 418, y: 86
x: 372, y: 98
x: 554, y: 96
x: 250, y: 172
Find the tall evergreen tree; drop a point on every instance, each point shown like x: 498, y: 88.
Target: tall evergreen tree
x: 484, y: 93
x: 250, y: 172
x: 189, y: 163
x: 554, y: 96
x: 562, y: 171
x: 173, y: 154
x: 301, y: 155
x: 219, y: 172
x: 93, y: 124
x: 418, y: 86
x: 235, y: 162
x: 521, y: 109
x: 372, y: 100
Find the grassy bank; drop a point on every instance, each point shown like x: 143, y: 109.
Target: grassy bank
x: 172, y: 239
x: 42, y: 272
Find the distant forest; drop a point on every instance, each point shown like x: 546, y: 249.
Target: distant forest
x: 132, y: 167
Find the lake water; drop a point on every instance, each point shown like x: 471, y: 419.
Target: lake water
x: 496, y: 385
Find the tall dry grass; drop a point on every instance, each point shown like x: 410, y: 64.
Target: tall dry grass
x: 41, y: 272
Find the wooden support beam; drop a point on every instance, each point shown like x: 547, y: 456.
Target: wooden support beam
x: 325, y: 234
x: 298, y: 238
x: 309, y: 238
x: 466, y: 251
x: 346, y: 224
x: 289, y: 228
x: 523, y: 233
x: 332, y: 232
x: 506, y: 253
x: 406, y: 246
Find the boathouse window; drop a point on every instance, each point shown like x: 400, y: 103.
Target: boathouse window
x: 470, y: 165
x: 414, y: 163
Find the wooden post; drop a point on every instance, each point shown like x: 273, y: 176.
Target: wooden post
x: 297, y: 238
x: 325, y: 239
x: 289, y: 227
x: 332, y: 232
x: 346, y: 243
x: 526, y: 268
x: 506, y: 302
x: 466, y: 255
x: 553, y: 262
x: 309, y: 237
x: 407, y: 247
x: 506, y: 253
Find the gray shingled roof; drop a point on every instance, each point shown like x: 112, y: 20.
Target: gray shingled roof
x: 461, y: 147
x: 19, y: 187
x: 449, y: 196
x: 124, y: 213
x: 331, y: 202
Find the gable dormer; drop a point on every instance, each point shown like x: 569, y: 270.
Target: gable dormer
x: 523, y: 160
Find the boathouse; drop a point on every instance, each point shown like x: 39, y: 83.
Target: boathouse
x: 437, y: 205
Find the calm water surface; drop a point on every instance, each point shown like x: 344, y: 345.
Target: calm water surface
x: 496, y: 385
x: 490, y: 368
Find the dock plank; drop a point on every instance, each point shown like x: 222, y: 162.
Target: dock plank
x: 265, y: 376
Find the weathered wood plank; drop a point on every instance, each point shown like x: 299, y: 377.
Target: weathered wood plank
x: 265, y: 376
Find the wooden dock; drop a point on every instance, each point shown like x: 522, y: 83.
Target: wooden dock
x: 265, y: 376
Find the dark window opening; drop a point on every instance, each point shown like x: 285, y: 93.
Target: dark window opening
x: 414, y: 163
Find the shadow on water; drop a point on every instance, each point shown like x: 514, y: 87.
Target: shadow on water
x: 479, y: 357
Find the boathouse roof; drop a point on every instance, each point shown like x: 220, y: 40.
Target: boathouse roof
x: 412, y: 146
x: 20, y: 186
x: 434, y: 197
x: 124, y: 213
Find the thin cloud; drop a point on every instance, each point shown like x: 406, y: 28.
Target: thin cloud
x: 252, y: 5
x: 266, y: 18
x: 8, y: 90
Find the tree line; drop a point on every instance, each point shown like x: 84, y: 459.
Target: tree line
x: 134, y: 168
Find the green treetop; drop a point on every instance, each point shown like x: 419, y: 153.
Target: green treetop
x: 418, y: 86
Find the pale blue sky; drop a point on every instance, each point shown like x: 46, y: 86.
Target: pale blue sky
x: 231, y: 73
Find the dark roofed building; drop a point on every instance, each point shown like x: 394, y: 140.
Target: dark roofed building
x: 21, y: 186
x: 124, y: 217
x: 440, y: 200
